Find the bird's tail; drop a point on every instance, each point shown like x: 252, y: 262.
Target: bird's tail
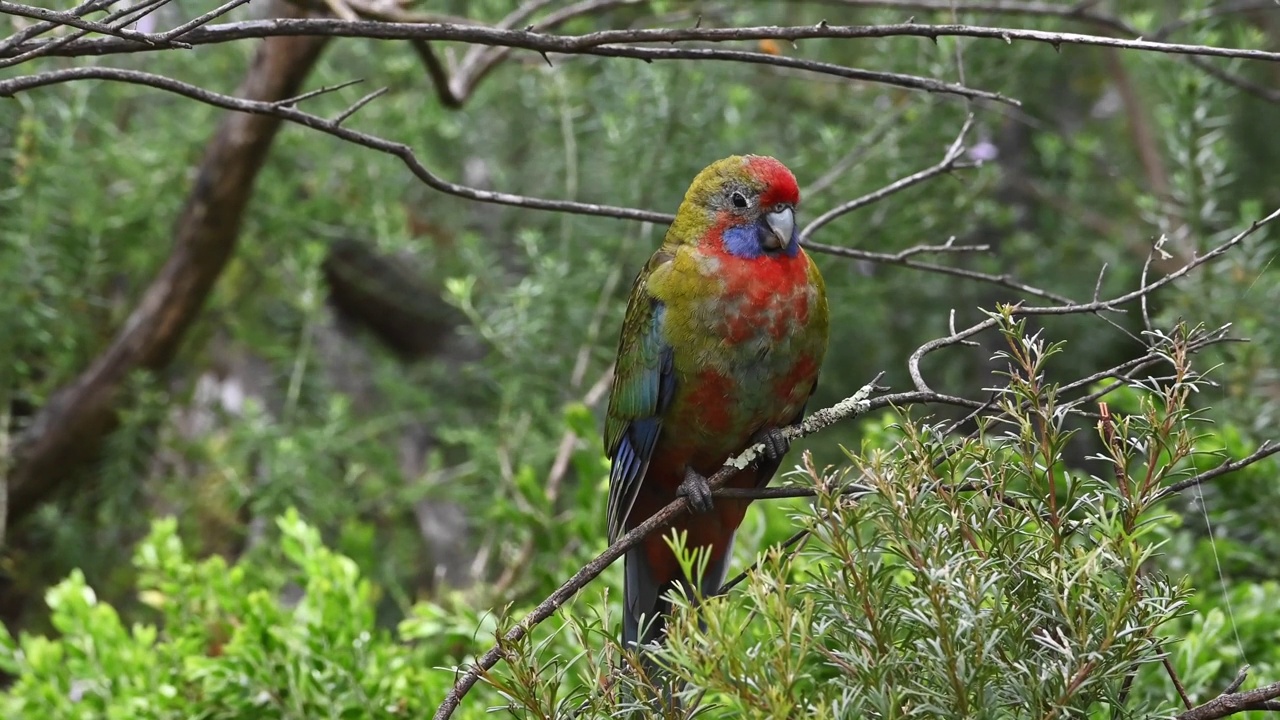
x: 645, y: 607
x: 644, y: 610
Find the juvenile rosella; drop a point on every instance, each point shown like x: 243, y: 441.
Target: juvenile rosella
x: 725, y: 332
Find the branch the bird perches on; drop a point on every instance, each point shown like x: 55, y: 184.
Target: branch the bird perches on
x: 856, y: 404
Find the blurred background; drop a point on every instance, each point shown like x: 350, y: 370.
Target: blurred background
x: 422, y: 376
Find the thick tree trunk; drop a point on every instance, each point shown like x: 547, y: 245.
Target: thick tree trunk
x: 70, y: 428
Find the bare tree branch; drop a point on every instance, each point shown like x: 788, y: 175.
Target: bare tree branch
x: 1267, y: 449
x: 1218, y: 10
x: 1232, y: 702
x: 406, y: 154
x: 913, y: 363
x: 24, y: 83
x: 357, y: 105
x: 285, y: 110
x: 950, y: 161
x: 113, y: 24
x: 438, y: 74
x: 114, y: 20
x: 1075, y: 11
x: 866, y: 140
x: 455, y: 89
x: 71, y: 19
x: 1253, y: 88
x: 1003, y: 280
x: 204, y: 19
x: 1177, y: 681
x: 616, y: 42
x: 481, y: 60
x: 538, y: 42
x: 912, y: 82
x: 46, y: 25
x: 1083, y: 13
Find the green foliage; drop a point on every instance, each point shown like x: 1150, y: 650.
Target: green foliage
x: 272, y: 404
x: 977, y: 577
x: 974, y: 577
x: 230, y: 643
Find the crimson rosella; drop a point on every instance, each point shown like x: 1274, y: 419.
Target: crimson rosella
x: 725, y: 332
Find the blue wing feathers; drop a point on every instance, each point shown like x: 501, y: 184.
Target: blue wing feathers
x: 635, y: 444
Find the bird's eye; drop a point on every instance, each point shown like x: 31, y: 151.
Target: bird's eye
x: 739, y: 200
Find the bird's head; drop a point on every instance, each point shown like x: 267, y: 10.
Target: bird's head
x: 744, y: 203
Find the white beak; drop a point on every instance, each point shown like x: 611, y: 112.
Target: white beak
x: 783, y: 225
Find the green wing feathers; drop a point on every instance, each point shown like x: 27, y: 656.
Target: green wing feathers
x: 643, y: 385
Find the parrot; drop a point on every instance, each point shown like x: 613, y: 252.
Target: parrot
x: 722, y: 341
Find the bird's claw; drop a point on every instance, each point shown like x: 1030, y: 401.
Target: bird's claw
x: 775, y: 443
x: 697, y: 490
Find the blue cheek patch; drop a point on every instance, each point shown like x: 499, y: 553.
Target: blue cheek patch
x: 744, y: 241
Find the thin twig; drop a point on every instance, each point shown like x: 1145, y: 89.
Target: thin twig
x: 1218, y: 10
x: 1002, y: 280
x: 204, y: 19
x: 323, y: 90
x: 913, y: 363
x: 866, y: 141
x: 1081, y: 12
x: 786, y: 544
x: 1238, y: 681
x: 438, y: 74
x: 912, y: 82
x: 481, y: 60
x: 45, y: 26
x: 991, y: 7
x: 70, y: 19
x: 1177, y: 682
x: 357, y: 105
x: 1230, y: 703
x: 114, y: 21
x: 1266, y: 449
x: 948, y: 163
x: 1157, y: 246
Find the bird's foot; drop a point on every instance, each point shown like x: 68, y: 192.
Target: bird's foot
x: 775, y: 443
x: 696, y: 488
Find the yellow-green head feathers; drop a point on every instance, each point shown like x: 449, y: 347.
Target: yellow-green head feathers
x: 744, y: 204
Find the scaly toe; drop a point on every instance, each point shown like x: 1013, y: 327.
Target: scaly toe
x: 775, y: 443
x: 695, y: 488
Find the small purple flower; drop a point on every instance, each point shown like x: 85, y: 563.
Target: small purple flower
x: 984, y: 151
